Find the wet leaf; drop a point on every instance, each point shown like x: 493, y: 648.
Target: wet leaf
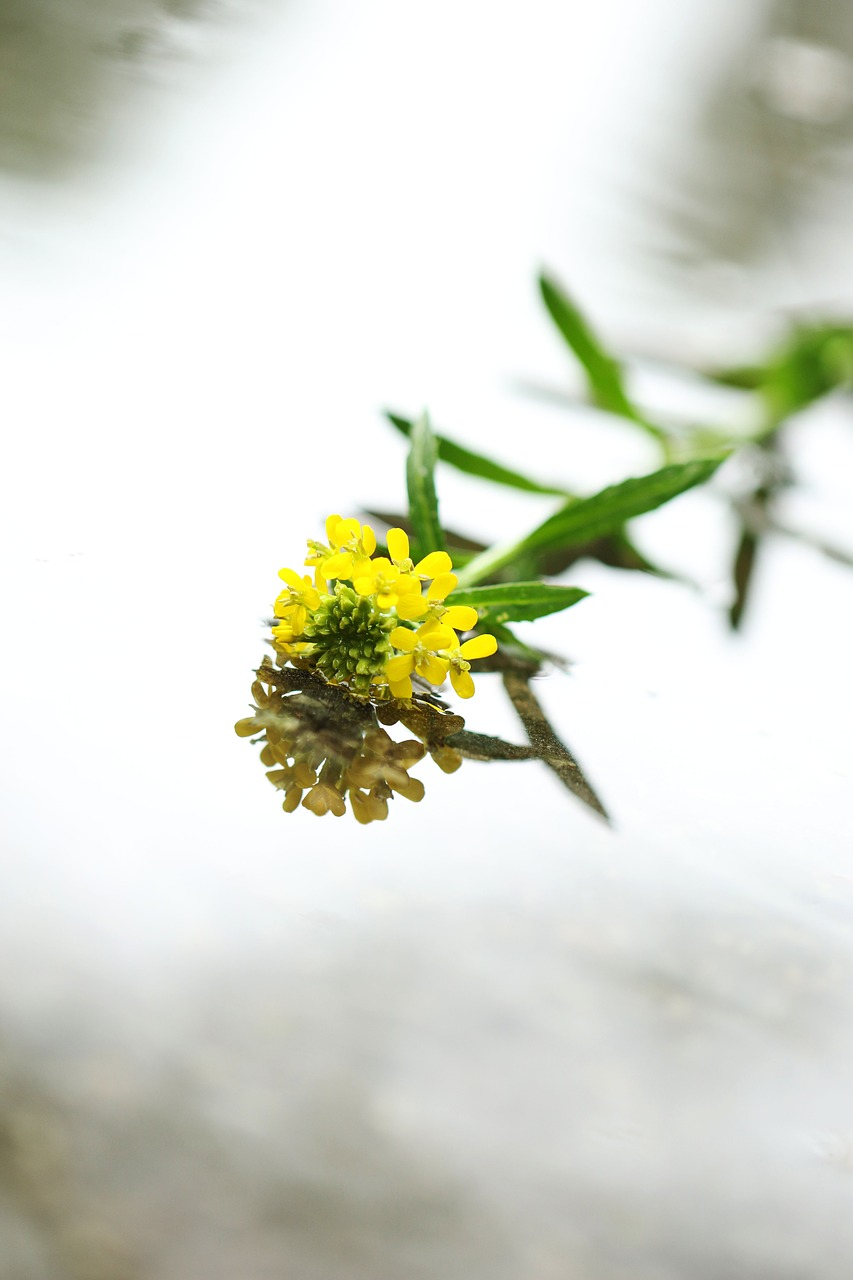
x: 603, y: 372
x: 518, y: 601
x: 420, y: 481
x: 477, y: 464
x: 593, y: 517
x: 550, y: 750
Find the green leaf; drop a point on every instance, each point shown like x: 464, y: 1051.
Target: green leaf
x: 746, y: 377
x: 477, y: 464
x: 420, y: 481
x: 603, y: 372
x: 814, y: 362
x: 518, y: 601
x: 593, y: 517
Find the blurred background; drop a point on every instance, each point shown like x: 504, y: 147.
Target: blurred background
x: 491, y: 1037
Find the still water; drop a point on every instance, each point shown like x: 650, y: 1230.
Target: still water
x: 490, y: 1036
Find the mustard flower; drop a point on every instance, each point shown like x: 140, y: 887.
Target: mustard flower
x: 431, y: 607
x: 296, y: 601
x: 430, y: 566
x: 350, y: 547
x: 385, y: 581
x: 346, y: 625
x: 459, y: 660
x: 422, y: 654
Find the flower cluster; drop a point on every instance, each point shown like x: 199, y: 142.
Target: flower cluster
x: 323, y: 746
x: 372, y: 622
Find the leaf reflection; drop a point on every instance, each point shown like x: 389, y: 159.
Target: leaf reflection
x: 324, y: 747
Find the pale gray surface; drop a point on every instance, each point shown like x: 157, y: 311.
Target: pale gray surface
x: 489, y: 1038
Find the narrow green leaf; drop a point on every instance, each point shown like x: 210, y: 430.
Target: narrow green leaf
x: 603, y: 372
x: 593, y: 517
x: 477, y: 464
x: 420, y: 481
x: 518, y: 601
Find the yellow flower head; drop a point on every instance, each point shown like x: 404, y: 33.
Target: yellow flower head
x: 346, y: 625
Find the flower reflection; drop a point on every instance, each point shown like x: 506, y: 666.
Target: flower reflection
x: 323, y: 747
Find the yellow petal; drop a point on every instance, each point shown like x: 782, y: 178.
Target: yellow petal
x: 398, y: 544
x: 403, y: 638
x: 344, y: 530
x: 437, y: 562
x: 291, y: 578
x: 365, y: 585
x: 338, y: 566
x: 442, y: 586
x: 368, y: 539
x: 411, y: 607
x: 399, y: 668
x: 462, y: 683
x: 436, y: 636
x: 332, y: 523
x: 462, y: 617
x: 478, y: 647
x: 400, y: 688
x: 432, y: 669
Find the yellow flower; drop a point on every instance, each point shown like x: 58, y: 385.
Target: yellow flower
x: 286, y: 643
x: 460, y: 658
x: 437, y: 562
x: 431, y: 607
x: 422, y: 653
x: 350, y: 546
x: 297, y: 600
x: 384, y: 580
